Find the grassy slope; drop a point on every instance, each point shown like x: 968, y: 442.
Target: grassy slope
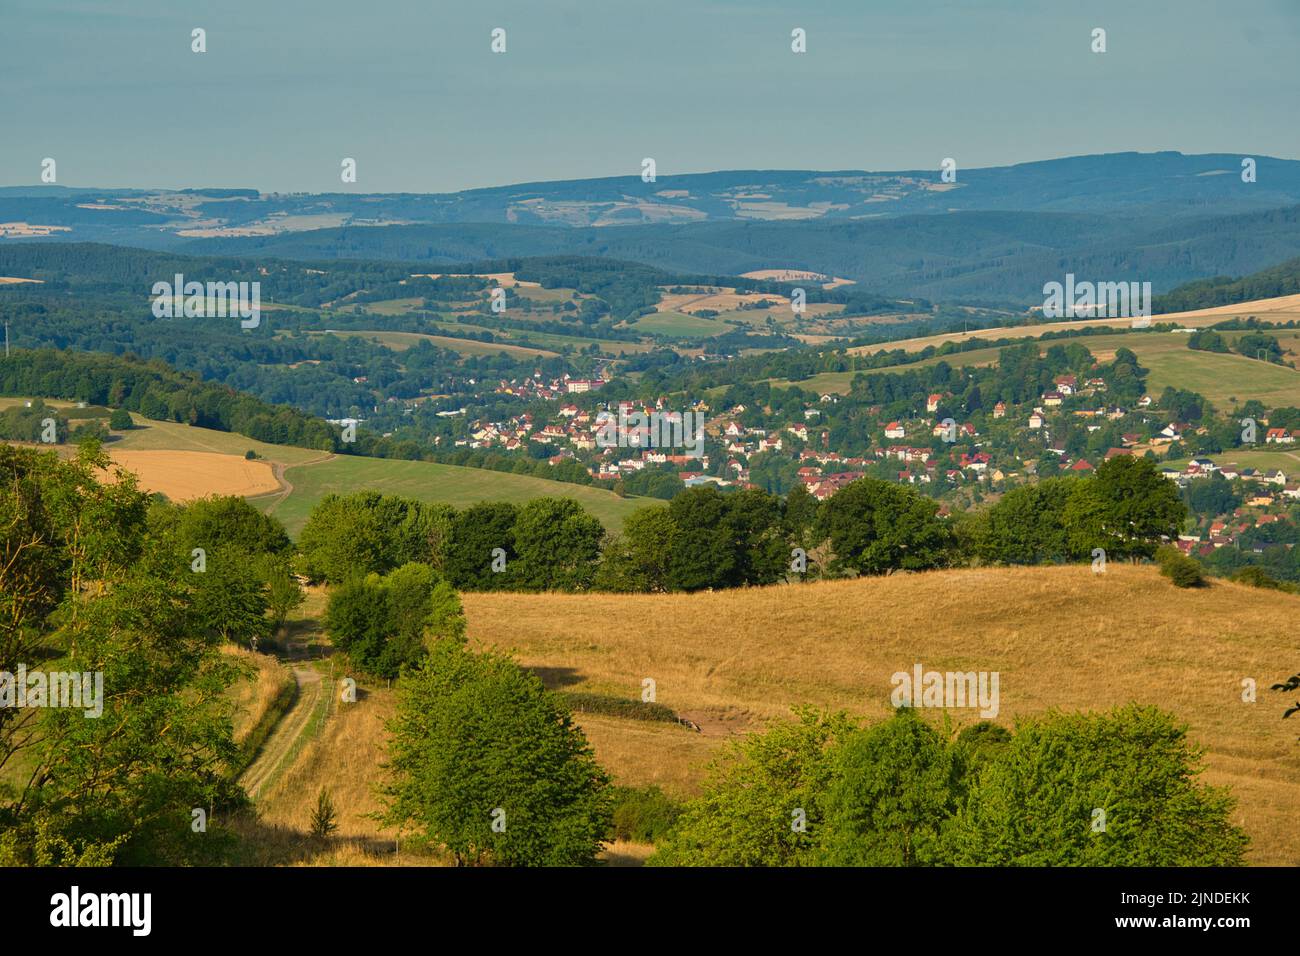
x: 1059, y: 637
x: 313, y: 478
x: 434, y: 482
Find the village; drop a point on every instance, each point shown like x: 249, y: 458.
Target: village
x: 987, y: 452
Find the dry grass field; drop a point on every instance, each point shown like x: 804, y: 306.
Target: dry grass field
x: 253, y: 698
x: 733, y: 661
x: 718, y: 299
x: 186, y: 475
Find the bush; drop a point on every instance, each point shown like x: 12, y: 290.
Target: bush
x: 619, y: 707
x: 120, y: 420
x: 643, y: 814
x: 1257, y: 577
x: 384, y: 623
x: 1185, y: 572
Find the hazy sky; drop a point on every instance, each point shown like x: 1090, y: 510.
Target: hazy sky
x: 412, y: 91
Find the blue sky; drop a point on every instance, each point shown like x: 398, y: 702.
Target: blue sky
x: 411, y: 90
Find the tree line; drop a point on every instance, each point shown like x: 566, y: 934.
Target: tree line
x: 709, y: 539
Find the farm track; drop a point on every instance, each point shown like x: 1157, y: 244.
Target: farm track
x: 265, y: 769
x: 279, y: 469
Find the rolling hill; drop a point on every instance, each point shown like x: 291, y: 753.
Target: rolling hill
x: 1060, y: 637
x: 165, y: 454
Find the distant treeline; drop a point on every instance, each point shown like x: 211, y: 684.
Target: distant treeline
x: 155, y: 390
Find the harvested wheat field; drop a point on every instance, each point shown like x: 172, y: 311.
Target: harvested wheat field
x: 1058, y: 636
x: 721, y: 300
x: 185, y: 475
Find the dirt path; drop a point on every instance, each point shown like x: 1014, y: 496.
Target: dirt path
x: 291, y: 726
x: 278, y: 469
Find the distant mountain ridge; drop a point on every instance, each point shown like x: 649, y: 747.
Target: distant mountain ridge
x: 995, y: 236
x: 1172, y: 182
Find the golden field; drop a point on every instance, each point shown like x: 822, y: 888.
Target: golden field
x: 733, y: 661
x: 186, y: 475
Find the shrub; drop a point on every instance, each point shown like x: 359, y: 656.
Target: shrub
x: 1257, y: 577
x: 619, y: 707
x: 1185, y: 572
x: 324, y: 821
x: 895, y: 784
x: 478, y: 741
x: 120, y: 420
x: 643, y: 814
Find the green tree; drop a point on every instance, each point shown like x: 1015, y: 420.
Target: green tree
x: 488, y: 763
x: 229, y: 598
x: 761, y: 804
x: 283, y: 592
x: 1126, y: 508
x: 342, y: 538
x: 80, y: 585
x: 558, y: 545
x: 1027, y: 525
x: 476, y: 533
x: 641, y: 558
x: 387, y: 622
x: 702, y: 553
x: 226, y: 521
x: 1113, y: 789
x: 895, y: 784
x: 120, y: 420
x: 875, y: 527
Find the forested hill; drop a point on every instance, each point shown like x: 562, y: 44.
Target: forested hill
x: 1279, y: 280
x: 155, y: 390
x: 624, y: 286
x: 993, y: 258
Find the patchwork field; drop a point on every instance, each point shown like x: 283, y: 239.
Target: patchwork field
x: 679, y: 325
x: 150, y: 435
x: 1281, y: 309
x: 184, y: 462
x: 1059, y: 637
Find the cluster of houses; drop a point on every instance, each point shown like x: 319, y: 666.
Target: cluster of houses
x: 1206, y: 468
x: 534, y: 387
x: 573, y: 433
